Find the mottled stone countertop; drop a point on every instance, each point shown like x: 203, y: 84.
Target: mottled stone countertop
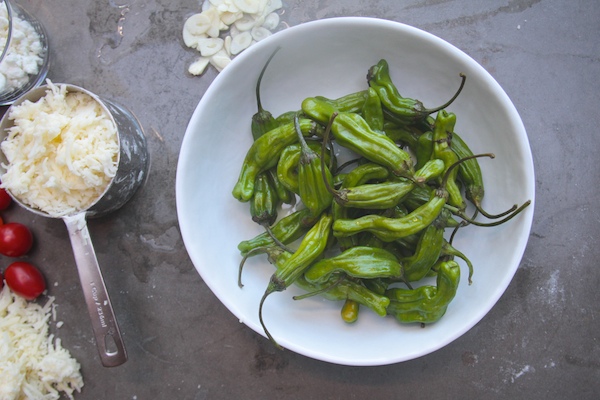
x: 541, y: 340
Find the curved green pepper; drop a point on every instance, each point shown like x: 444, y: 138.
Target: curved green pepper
x: 352, y: 132
x: 311, y: 247
x: 314, y: 178
x: 427, y: 252
x: 358, y: 262
x: 264, y: 154
x: 286, y: 230
x: 406, y: 109
x: 442, y: 138
x: 426, y: 304
x: 287, y: 166
x: 390, y: 229
x: 372, y: 111
x: 264, y: 201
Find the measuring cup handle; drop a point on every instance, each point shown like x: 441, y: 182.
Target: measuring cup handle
x: 104, y: 324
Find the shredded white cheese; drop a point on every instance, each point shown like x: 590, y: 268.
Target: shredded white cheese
x: 24, y: 55
x: 33, y: 363
x: 62, y: 152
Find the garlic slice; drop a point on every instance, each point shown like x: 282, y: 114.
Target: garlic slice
x: 210, y: 46
x: 259, y: 33
x: 241, y: 42
x: 245, y: 23
x: 249, y: 6
x: 271, y: 21
x: 220, y: 60
x: 197, y: 24
x: 198, y: 66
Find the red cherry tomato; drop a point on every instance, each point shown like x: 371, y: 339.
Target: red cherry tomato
x: 15, y: 239
x: 5, y: 199
x: 25, y: 280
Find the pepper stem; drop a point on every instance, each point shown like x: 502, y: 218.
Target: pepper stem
x: 460, y: 88
x: 270, y: 289
x: 262, y: 72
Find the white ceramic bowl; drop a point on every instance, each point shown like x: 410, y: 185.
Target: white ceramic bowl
x: 331, y: 58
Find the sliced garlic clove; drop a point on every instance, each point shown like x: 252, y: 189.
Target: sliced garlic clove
x: 271, y: 21
x: 197, y: 24
x: 245, y: 23
x: 210, y: 46
x: 198, y: 66
x: 229, y: 18
x: 226, y: 45
x: 259, y: 33
x: 220, y: 60
x: 272, y: 5
x: 248, y: 6
x: 241, y: 42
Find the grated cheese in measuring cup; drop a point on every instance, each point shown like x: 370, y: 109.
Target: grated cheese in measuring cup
x: 33, y: 363
x: 225, y: 28
x: 62, y: 152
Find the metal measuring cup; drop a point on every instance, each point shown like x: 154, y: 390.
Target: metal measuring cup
x: 131, y: 172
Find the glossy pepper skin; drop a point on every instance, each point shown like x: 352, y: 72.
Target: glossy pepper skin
x: 358, y: 262
x: 352, y: 132
x: 442, y: 139
x: 384, y: 195
x: 427, y: 252
x: 287, y: 166
x: 390, y: 229
x: 264, y: 154
x: 407, y: 110
x: 348, y: 289
x: 314, y: 178
x: 425, y: 304
x: 264, y: 202
x: 372, y: 111
x: 286, y: 230
x: 311, y: 247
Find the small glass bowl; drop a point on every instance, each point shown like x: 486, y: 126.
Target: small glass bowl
x: 14, y: 13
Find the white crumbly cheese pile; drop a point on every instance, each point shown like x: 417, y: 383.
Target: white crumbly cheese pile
x: 62, y: 152
x: 225, y: 28
x: 24, y: 56
x: 33, y: 364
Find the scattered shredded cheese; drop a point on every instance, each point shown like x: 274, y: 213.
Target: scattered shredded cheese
x: 62, y: 152
x: 33, y: 364
x: 24, y: 55
x: 225, y: 28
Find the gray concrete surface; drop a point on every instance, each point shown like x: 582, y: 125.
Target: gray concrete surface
x: 541, y: 340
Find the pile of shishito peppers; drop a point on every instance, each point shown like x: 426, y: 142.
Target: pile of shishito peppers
x: 370, y: 228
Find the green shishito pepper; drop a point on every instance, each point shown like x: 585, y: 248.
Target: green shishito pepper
x: 428, y: 250
x: 311, y: 247
x: 286, y: 230
x: 358, y: 262
x: 425, y: 304
x: 405, y: 109
x: 442, y: 138
x: 314, y: 178
x: 384, y: 195
x: 264, y: 202
x: 264, y: 154
x: 287, y: 166
x: 390, y: 229
x: 352, y: 132
x: 372, y: 111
